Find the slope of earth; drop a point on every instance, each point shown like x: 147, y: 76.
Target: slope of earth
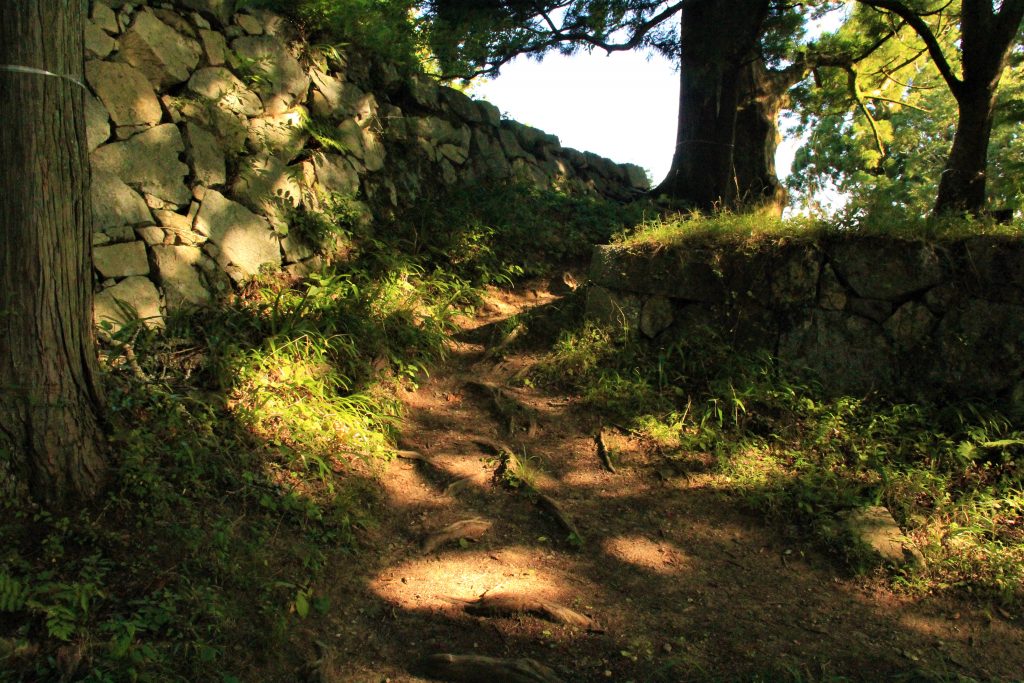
x: 660, y: 573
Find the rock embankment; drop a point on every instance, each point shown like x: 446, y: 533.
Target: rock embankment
x: 209, y: 129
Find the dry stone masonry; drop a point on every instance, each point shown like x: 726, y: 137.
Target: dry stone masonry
x: 909, y: 318
x: 199, y: 122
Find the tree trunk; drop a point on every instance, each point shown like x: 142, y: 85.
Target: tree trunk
x: 50, y: 401
x: 764, y: 93
x: 717, y: 38
x: 962, y: 184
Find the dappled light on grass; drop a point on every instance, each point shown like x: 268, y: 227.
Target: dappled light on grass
x: 660, y: 558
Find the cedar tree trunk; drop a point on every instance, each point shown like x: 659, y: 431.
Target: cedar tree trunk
x: 50, y: 402
x: 717, y: 39
x: 764, y: 94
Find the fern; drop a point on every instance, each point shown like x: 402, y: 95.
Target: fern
x: 13, y: 593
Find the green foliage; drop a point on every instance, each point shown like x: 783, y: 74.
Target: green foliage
x: 384, y: 29
x: 881, y: 131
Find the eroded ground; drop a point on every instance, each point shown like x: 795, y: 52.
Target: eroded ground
x: 680, y: 582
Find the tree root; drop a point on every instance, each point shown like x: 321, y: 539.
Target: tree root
x: 506, y: 605
x: 468, y: 529
x: 474, y: 668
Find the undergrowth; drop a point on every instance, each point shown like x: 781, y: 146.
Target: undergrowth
x: 244, y: 444
x: 951, y: 475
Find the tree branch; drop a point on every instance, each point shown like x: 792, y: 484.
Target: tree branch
x: 923, y: 31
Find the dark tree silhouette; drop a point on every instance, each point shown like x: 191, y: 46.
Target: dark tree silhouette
x: 50, y: 401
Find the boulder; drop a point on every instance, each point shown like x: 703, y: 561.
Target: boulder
x: 981, y: 348
x: 244, y: 241
x: 424, y: 91
x: 134, y: 298
x: 283, y: 82
x: 150, y: 161
x: 656, y: 315
x: 831, y: 294
x: 121, y: 260
x: 116, y: 204
x: 688, y: 274
x: 125, y: 92
x: 229, y: 129
x: 613, y: 308
x: 461, y: 105
x: 794, y: 274
x: 164, y: 55
x: 176, y: 272
x: 267, y: 184
x: 910, y: 326
x: 221, y: 87
x: 204, y: 153
x: 249, y: 24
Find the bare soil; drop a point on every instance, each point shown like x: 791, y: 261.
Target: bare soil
x: 680, y: 581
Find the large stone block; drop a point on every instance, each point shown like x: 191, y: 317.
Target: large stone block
x: 244, y: 241
x: 176, y: 270
x: 125, y: 92
x: 981, y: 348
x: 115, y: 204
x: 687, y: 274
x: 97, y: 43
x: 283, y: 82
x: 134, y: 298
x: 845, y: 353
x: 215, y: 47
x: 908, y: 267
x: 149, y: 161
x: 220, y: 86
x: 164, y: 55
x: 121, y: 260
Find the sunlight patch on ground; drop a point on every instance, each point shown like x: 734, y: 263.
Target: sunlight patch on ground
x: 661, y: 558
x: 440, y: 582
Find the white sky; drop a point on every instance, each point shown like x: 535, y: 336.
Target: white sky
x: 622, y: 106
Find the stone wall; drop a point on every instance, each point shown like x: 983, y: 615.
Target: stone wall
x: 908, y: 318
x: 208, y: 129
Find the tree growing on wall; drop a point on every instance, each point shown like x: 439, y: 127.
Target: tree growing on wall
x: 50, y: 400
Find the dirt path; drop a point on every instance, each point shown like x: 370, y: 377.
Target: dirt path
x: 679, y: 583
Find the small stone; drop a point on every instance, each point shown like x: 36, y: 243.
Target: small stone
x: 875, y: 527
x: 151, y: 235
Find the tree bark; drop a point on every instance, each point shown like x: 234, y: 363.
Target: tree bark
x: 50, y: 399
x: 985, y: 44
x: 764, y: 94
x: 717, y: 39
x: 963, y: 180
